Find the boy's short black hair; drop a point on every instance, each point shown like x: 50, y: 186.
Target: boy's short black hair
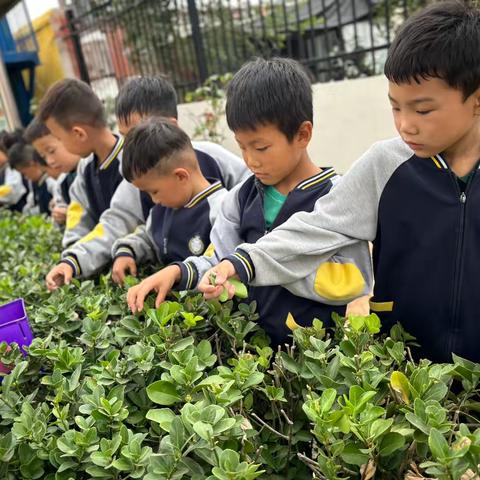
x: 441, y: 41
x: 8, y: 139
x: 37, y: 158
x: 35, y: 130
x: 152, y: 144
x: 69, y: 102
x: 276, y: 91
x: 149, y: 96
x: 21, y: 155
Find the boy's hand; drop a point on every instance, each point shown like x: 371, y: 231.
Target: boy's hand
x: 162, y: 282
x: 360, y: 306
x: 121, y: 266
x: 221, y: 273
x: 59, y: 275
x: 59, y: 214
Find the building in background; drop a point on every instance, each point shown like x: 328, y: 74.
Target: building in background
x: 19, y: 52
x: 34, y: 56
x: 55, y: 57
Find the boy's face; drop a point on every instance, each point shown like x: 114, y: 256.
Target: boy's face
x: 3, y: 159
x: 31, y: 172
x: 432, y: 117
x: 53, y: 172
x: 133, y: 120
x: 75, y: 140
x: 55, y: 154
x: 125, y: 126
x: 172, y: 190
x: 268, y: 153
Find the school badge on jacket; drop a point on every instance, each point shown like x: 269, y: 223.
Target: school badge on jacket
x: 196, y: 245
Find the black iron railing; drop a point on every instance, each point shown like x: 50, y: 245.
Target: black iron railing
x: 189, y: 40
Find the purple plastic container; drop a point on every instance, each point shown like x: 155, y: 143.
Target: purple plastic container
x: 14, y: 326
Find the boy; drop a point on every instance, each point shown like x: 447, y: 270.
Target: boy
x: 57, y: 157
x: 415, y: 196
x: 53, y: 176
x: 140, y: 98
x: 159, y: 160
x: 269, y: 108
x: 21, y: 158
x: 75, y: 115
x: 13, y: 188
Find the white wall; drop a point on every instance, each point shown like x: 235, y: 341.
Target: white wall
x: 348, y: 117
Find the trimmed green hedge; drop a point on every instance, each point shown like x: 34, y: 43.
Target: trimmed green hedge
x: 192, y: 390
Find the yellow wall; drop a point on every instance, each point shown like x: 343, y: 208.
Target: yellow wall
x: 50, y: 69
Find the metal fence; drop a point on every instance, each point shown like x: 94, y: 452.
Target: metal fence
x: 190, y: 40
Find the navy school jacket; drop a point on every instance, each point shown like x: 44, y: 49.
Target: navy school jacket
x: 242, y: 220
x: 129, y: 208
x: 173, y: 234
x: 425, y: 232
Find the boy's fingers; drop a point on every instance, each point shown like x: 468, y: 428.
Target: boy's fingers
x: 230, y: 289
x: 67, y: 274
x: 204, y: 285
x: 133, y: 268
x: 121, y: 276
x: 115, y: 277
x: 131, y: 296
x: 139, y: 301
x: 143, y: 290
x: 225, y: 270
x: 118, y: 273
x: 212, y: 292
x: 50, y: 279
x: 162, y: 293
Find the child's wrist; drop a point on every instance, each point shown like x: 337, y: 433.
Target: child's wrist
x: 186, y: 275
x: 241, y: 265
x: 72, y: 262
x: 177, y: 271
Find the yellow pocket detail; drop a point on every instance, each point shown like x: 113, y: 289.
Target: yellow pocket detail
x: 5, y: 190
x: 338, y: 281
x: 291, y: 323
x: 381, y: 306
x: 74, y: 215
x: 209, y: 251
x: 97, y: 232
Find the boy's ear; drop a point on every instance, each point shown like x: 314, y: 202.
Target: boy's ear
x: 304, y: 134
x: 181, y: 174
x: 477, y: 102
x: 79, y: 132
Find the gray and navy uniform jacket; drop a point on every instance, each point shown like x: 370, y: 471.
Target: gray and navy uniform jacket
x: 42, y: 194
x: 173, y: 234
x: 90, y: 195
x: 13, y: 189
x: 62, y: 187
x: 241, y: 219
x: 130, y: 208
x: 425, y: 230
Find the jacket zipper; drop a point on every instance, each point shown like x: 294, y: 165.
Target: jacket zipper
x: 458, y: 258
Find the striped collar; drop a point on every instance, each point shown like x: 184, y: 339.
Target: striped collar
x: 204, y: 194
x: 42, y: 180
x: 113, y: 154
x: 325, y: 174
x: 441, y: 164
